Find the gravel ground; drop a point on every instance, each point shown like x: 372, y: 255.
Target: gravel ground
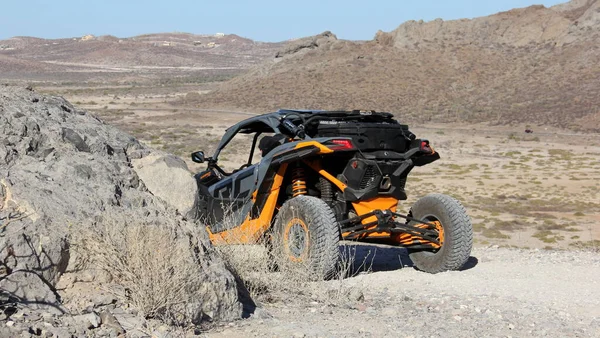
x: 501, y: 293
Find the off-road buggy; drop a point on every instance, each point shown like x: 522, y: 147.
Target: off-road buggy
x: 327, y: 176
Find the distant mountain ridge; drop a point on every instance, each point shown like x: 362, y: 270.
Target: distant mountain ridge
x: 29, y: 58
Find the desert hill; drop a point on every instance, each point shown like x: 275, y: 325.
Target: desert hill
x: 533, y: 65
x: 96, y: 58
x: 559, y: 25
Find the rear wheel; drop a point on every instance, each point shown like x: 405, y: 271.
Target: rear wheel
x: 306, y: 238
x: 455, y: 233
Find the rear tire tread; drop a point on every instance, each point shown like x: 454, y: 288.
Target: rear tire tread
x: 323, y: 232
x: 458, y: 234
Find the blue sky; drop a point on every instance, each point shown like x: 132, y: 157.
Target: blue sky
x: 267, y: 20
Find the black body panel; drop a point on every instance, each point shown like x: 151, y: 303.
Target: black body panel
x: 369, y: 136
x: 368, y: 179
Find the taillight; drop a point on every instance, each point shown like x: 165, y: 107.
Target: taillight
x: 425, y: 147
x: 341, y: 145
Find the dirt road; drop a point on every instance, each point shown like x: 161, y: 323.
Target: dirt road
x: 501, y: 293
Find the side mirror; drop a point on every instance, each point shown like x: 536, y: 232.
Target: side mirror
x: 198, y: 157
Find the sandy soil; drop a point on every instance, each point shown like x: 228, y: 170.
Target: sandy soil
x: 501, y: 293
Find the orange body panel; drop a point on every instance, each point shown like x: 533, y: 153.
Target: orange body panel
x: 252, y: 229
x: 377, y: 203
x: 322, y: 149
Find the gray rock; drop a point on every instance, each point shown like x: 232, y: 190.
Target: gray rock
x: 88, y: 320
x: 28, y: 287
x: 60, y: 171
x: 130, y: 322
x: 109, y: 321
x: 167, y: 177
x: 72, y: 137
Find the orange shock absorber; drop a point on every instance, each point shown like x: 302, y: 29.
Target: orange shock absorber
x: 298, y: 181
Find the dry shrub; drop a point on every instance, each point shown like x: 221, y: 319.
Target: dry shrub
x: 270, y: 281
x: 153, y: 267
x: 192, y: 97
x: 269, y: 276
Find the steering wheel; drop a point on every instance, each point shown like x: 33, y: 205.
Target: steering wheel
x: 244, y: 166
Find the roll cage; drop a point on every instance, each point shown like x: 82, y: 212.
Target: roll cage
x: 278, y: 123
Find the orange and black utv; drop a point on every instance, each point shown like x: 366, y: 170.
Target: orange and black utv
x: 327, y: 176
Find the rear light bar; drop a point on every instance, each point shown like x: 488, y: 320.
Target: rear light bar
x: 340, y: 144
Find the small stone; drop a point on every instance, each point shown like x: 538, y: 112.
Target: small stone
x: 10, y: 323
x: 34, y: 317
x: 356, y: 295
x: 458, y: 318
x: 90, y: 320
x: 261, y: 313
x: 511, y: 326
x: 110, y: 321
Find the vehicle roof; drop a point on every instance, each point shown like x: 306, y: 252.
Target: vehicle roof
x: 270, y: 121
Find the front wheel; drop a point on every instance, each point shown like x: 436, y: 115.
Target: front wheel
x: 306, y: 238
x: 455, y: 233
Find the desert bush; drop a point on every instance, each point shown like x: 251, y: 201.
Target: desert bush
x: 192, y: 97
x: 269, y: 277
x: 151, y: 266
x: 269, y: 281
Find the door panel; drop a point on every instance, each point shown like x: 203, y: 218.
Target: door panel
x: 231, y: 199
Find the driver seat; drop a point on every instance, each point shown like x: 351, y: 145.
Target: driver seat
x: 269, y: 143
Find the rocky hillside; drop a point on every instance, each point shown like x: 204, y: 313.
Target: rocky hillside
x: 92, y: 58
x: 572, y: 22
x: 533, y: 65
x: 79, y: 201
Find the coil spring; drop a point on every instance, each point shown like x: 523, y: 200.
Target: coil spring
x: 298, y: 182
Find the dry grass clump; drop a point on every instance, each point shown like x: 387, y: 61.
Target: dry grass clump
x: 152, y: 267
x: 270, y: 278
x: 591, y: 245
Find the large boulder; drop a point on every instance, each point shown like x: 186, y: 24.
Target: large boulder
x: 168, y: 177
x: 62, y: 169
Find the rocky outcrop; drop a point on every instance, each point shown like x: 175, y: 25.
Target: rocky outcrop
x: 308, y: 43
x: 62, y: 169
x: 537, y: 24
